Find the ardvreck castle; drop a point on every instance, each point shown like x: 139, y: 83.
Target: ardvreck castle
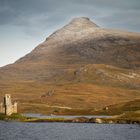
x: 7, y: 107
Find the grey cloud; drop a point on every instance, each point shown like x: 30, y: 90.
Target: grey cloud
x: 44, y: 14
x: 128, y: 20
x: 118, y: 4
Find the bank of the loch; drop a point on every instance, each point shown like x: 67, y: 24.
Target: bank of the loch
x: 126, y: 118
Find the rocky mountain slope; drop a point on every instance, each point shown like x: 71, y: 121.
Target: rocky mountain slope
x: 80, y: 66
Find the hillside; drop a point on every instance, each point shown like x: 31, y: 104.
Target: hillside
x: 80, y: 66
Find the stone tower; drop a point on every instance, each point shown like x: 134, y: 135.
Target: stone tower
x: 7, y: 107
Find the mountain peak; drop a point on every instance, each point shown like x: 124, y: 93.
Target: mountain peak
x: 79, y: 26
x: 80, y: 19
x: 83, y: 22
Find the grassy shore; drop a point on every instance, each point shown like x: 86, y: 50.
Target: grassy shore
x: 112, y: 120
x: 125, y: 118
x: 13, y: 117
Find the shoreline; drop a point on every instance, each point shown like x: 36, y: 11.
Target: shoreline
x: 86, y: 120
x: 112, y: 120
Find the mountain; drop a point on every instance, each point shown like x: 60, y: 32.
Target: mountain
x: 80, y: 66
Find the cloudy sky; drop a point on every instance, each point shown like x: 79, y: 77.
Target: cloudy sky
x: 26, y: 23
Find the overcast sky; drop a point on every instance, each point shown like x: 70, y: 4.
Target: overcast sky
x: 26, y: 23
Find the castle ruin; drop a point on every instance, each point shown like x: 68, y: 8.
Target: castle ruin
x: 7, y: 107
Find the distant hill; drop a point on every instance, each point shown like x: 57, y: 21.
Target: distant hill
x: 80, y: 66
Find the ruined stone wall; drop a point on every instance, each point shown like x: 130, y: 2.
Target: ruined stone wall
x: 7, y: 107
x: 9, y: 110
x: 2, y: 109
x: 14, y: 109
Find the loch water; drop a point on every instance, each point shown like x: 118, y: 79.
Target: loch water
x: 68, y: 131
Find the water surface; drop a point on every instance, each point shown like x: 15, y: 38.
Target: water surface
x: 64, y: 116
x: 68, y: 131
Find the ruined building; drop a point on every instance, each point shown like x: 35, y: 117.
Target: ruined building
x: 7, y: 107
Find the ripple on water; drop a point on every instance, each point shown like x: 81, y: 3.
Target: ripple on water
x: 68, y: 131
